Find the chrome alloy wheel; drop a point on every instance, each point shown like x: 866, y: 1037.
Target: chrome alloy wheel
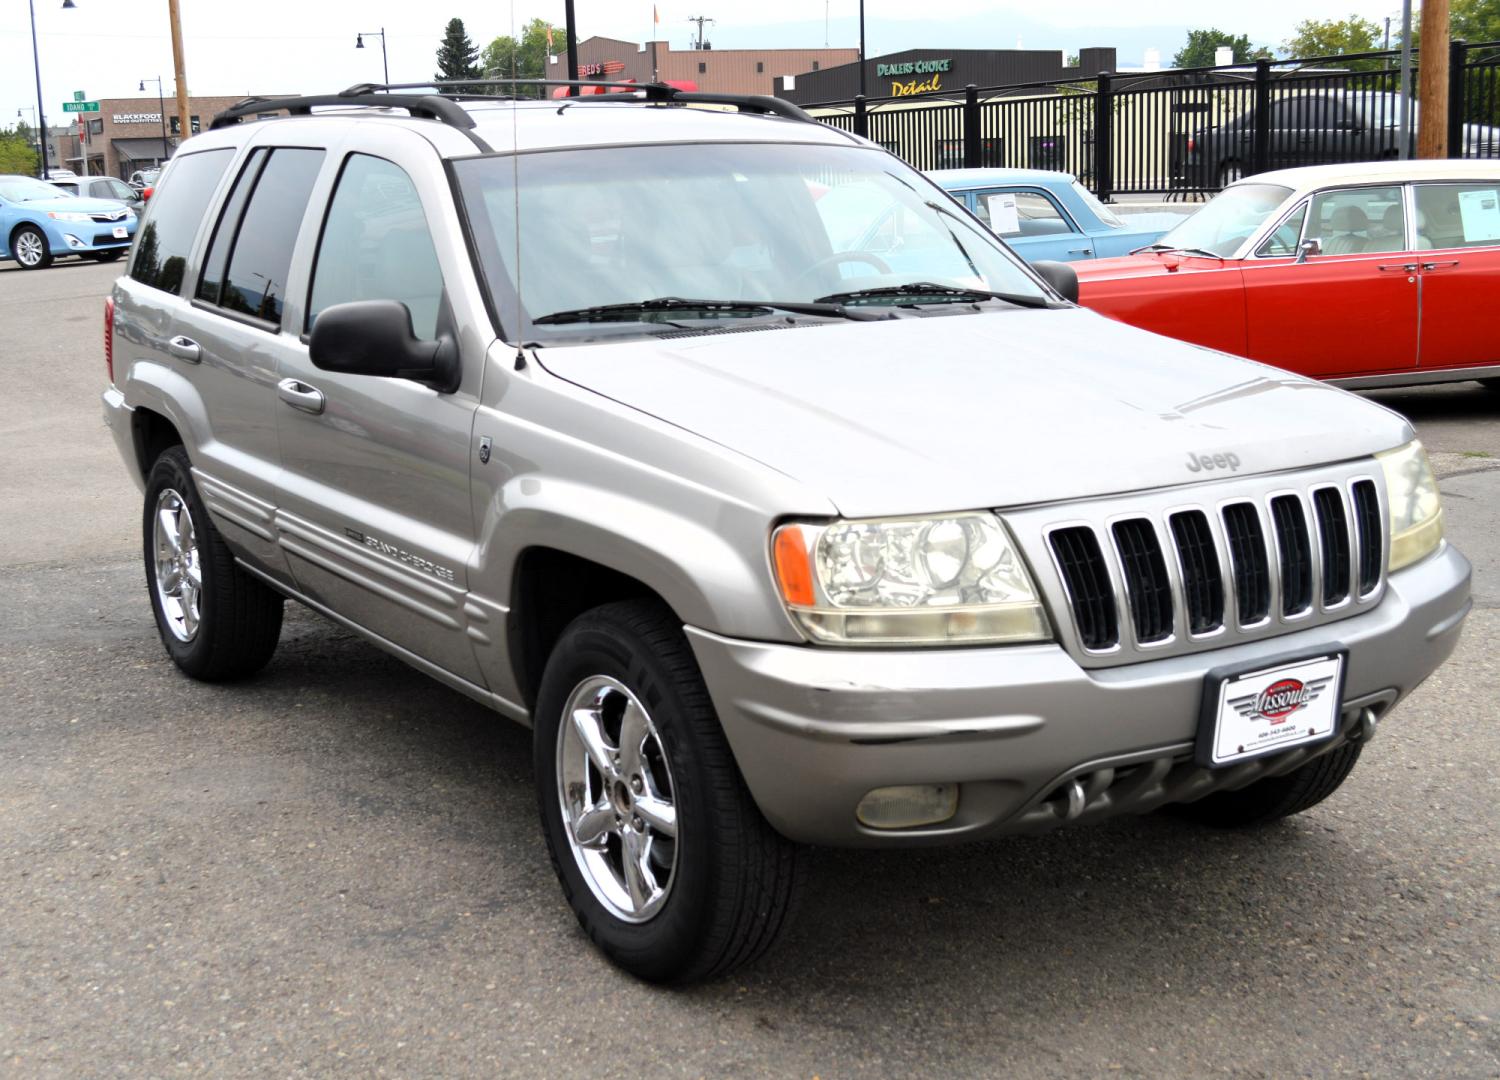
x: 179, y: 574
x: 30, y: 248
x: 618, y: 804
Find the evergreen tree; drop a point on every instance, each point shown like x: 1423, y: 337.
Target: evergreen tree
x: 457, y: 56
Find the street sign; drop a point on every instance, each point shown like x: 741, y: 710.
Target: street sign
x: 79, y: 95
x: 80, y: 106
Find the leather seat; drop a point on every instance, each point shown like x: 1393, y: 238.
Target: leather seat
x: 1347, y: 222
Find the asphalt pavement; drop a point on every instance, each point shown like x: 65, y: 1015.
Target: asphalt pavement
x: 335, y: 868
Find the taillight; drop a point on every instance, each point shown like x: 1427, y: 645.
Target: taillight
x: 109, y: 338
x: 1192, y: 144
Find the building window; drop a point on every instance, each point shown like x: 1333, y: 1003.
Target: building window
x: 177, y: 126
x: 760, y: 67
x: 96, y: 127
x: 702, y: 68
x: 815, y: 65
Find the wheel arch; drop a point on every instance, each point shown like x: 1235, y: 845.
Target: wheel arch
x: 152, y: 433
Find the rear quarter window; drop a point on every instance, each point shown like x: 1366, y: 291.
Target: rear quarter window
x: 176, y: 210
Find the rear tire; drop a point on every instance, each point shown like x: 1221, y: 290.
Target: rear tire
x: 215, y: 620
x: 1275, y: 797
x: 28, y: 246
x: 720, y: 884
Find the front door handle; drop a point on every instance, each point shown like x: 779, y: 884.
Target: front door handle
x: 300, y: 396
x: 1439, y: 265
x: 1080, y: 251
x: 184, y: 348
x: 1405, y: 268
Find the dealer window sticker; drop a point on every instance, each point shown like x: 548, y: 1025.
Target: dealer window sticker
x: 1480, y: 213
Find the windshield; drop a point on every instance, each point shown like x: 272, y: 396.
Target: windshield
x: 744, y: 223
x: 1228, y: 219
x: 19, y: 189
x: 1105, y: 215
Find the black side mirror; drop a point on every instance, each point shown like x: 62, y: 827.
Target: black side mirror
x: 374, y: 337
x: 1062, y: 277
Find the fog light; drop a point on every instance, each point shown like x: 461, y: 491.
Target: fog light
x: 73, y: 241
x: 908, y: 806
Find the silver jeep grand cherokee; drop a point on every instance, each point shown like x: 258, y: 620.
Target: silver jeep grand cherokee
x: 782, y: 500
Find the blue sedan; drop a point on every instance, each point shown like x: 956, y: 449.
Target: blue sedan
x: 1050, y: 215
x: 38, y: 223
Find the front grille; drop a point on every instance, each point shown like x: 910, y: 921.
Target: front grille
x: 1296, y: 554
x: 1146, y: 584
x: 1202, y: 581
x: 1333, y: 539
x: 1369, y: 534
x: 1086, y: 579
x: 109, y: 216
x: 104, y: 239
x: 1172, y: 578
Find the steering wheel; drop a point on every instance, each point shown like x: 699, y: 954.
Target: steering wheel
x: 842, y: 257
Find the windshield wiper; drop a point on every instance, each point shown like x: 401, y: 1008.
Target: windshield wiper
x: 710, y: 309
x: 1204, y: 252
x: 928, y: 292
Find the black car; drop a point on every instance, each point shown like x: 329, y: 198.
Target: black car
x: 1317, y: 127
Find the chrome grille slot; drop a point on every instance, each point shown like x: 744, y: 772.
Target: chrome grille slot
x: 1371, y: 535
x: 1333, y: 540
x: 1193, y: 567
x: 1090, y: 594
x: 1247, y: 555
x: 1202, y: 580
x: 1146, y: 584
x: 1295, y: 547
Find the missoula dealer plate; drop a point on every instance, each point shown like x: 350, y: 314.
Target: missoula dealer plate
x: 1270, y: 708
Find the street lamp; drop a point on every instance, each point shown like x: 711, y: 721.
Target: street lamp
x: 161, y: 104
x: 861, y: 48
x: 359, y: 43
x: 36, y: 64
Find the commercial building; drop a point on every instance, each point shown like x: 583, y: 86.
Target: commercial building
x: 724, y: 71
x: 938, y: 73
x: 127, y: 134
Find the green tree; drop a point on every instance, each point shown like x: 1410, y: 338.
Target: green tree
x: 1203, y: 44
x: 1475, y: 20
x: 1336, y: 37
x: 16, y: 153
x: 507, y: 58
x: 456, y: 56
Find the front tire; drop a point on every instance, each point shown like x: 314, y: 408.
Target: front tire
x: 216, y: 621
x: 661, y: 852
x: 1275, y: 797
x: 28, y: 245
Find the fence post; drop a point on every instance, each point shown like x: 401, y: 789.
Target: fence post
x: 971, y: 127
x: 1458, y: 51
x: 861, y: 121
x: 1260, y: 146
x: 1104, y: 139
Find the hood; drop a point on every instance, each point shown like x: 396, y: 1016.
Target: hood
x: 76, y: 204
x: 1005, y: 408
x: 1157, y: 264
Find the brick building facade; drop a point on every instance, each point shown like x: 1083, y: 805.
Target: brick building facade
x: 725, y: 71
x: 127, y: 134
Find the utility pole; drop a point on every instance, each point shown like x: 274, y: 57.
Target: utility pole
x: 861, y: 48
x: 1405, y: 122
x: 179, y: 64
x: 570, y: 22
x: 1432, y: 132
x: 700, y: 20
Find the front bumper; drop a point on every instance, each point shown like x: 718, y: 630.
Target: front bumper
x: 814, y: 729
x: 78, y: 238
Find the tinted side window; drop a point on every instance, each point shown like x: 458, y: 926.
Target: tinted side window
x: 211, y: 281
x: 376, y: 246
x: 176, y: 209
x: 118, y: 189
x: 262, y: 253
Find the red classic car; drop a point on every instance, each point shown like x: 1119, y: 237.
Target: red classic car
x: 1382, y: 274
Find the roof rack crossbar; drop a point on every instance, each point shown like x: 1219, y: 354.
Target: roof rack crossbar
x: 425, y: 106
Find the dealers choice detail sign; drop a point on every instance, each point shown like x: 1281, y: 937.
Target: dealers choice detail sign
x: 929, y: 76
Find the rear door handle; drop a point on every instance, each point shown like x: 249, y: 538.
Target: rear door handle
x: 1439, y: 265
x: 300, y: 396
x: 1405, y: 268
x: 184, y: 348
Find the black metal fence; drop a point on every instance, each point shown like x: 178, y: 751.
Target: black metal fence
x: 1186, y: 131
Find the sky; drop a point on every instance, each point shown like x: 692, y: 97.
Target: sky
x: 105, y: 47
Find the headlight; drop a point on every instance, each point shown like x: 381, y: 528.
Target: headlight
x: 67, y: 215
x: 1411, y: 490
x: 954, y: 580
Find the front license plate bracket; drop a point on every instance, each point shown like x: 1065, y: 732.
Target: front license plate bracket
x: 1267, y: 706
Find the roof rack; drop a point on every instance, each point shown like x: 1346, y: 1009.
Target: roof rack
x: 444, y: 104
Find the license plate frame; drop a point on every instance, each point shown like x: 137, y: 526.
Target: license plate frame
x: 121, y: 232
x: 1252, y: 734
